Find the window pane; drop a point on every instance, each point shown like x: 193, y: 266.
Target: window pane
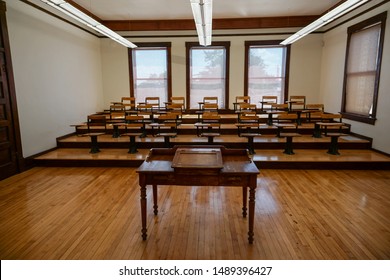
x: 150, y: 74
x: 266, y: 72
x: 207, y: 75
x: 363, y: 50
x: 360, y: 94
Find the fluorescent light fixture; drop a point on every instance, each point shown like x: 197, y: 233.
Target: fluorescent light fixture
x: 203, y: 17
x: 78, y: 15
x: 344, y: 8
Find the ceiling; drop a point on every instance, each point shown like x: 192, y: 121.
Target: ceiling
x: 181, y: 9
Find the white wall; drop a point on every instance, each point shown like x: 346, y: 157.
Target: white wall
x: 332, y: 71
x: 58, y: 75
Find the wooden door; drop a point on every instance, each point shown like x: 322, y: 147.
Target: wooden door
x: 10, y: 145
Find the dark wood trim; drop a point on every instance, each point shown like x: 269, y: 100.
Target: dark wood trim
x: 84, y: 10
x: 12, y: 90
x: 58, y: 17
x: 224, y: 23
x: 357, y: 15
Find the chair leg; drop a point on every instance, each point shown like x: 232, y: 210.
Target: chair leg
x: 94, y: 145
x: 210, y: 139
x: 133, y: 146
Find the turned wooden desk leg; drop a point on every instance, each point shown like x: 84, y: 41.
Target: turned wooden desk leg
x: 252, y: 192
x: 143, y: 211
x: 155, y: 205
x: 244, y: 200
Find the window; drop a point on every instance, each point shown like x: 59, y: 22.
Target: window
x: 149, y: 67
x: 266, y: 71
x: 207, y: 73
x: 362, y: 69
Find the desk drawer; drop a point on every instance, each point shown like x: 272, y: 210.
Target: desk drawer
x: 233, y: 180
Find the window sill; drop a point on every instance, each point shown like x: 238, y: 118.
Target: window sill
x: 359, y: 118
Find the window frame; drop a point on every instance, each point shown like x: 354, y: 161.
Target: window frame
x: 166, y: 45
x: 226, y: 45
x: 265, y: 43
x: 378, y: 19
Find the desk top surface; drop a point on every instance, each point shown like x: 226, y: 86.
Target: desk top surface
x: 237, y: 161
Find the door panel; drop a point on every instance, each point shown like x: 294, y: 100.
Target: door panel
x: 9, y: 125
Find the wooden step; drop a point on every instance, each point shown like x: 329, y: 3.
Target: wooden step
x: 267, y: 159
x: 230, y: 141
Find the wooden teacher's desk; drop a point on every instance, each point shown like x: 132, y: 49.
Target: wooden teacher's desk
x: 199, y: 166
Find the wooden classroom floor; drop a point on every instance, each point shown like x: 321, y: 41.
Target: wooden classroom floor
x: 82, y: 213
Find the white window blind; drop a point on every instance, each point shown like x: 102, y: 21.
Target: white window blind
x: 266, y: 72
x: 361, y: 70
x: 207, y: 75
x: 150, y: 76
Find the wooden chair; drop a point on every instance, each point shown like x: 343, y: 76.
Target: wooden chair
x: 210, y: 103
x: 153, y: 102
x: 297, y: 102
x: 268, y: 101
x: 167, y: 125
x: 241, y: 100
x: 313, y: 111
x: 287, y: 127
x: 179, y: 101
x: 207, y: 107
x: 249, y: 127
x: 331, y: 125
x: 117, y: 107
x: 286, y: 121
x: 210, y: 126
x: 96, y: 126
x: 210, y: 99
x: 279, y: 107
x: 275, y: 109
x: 117, y: 118
x: 246, y: 107
x: 248, y: 123
x: 129, y: 104
x: 134, y: 127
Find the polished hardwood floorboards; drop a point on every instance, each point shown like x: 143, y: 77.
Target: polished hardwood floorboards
x: 93, y: 213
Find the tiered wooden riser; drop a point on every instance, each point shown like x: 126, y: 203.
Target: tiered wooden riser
x: 310, y: 152
x: 230, y: 141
